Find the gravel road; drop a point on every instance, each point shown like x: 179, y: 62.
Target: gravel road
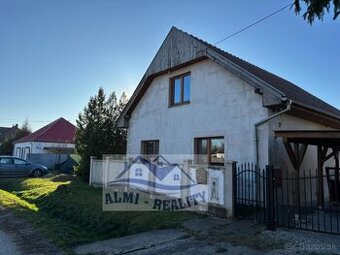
x: 17, y: 236
x: 7, y: 244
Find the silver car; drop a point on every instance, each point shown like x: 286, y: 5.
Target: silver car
x: 16, y: 167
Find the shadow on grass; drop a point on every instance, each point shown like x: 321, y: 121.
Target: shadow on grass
x: 70, y: 212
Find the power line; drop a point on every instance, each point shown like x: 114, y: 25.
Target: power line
x: 254, y: 23
x: 29, y: 120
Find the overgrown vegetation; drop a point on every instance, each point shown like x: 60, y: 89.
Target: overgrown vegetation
x: 97, y: 132
x: 70, y: 212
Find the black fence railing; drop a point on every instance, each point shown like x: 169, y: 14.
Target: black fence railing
x: 280, y: 199
x: 250, y: 192
x: 304, y: 210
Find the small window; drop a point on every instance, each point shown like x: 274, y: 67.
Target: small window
x: 26, y: 152
x: 176, y: 177
x: 150, y: 148
x: 18, y: 152
x: 209, y: 151
x: 180, y: 90
x: 138, y: 172
x: 19, y: 161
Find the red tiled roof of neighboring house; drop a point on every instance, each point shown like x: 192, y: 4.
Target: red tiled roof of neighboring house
x: 58, y: 131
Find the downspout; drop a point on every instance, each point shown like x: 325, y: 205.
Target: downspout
x: 257, y: 124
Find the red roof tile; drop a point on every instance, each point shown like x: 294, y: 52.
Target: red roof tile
x: 58, y: 131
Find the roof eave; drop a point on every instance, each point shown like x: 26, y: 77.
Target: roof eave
x: 316, y: 115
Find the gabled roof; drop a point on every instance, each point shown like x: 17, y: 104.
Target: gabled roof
x: 58, y: 131
x: 180, y: 49
x: 7, y: 132
x: 291, y: 90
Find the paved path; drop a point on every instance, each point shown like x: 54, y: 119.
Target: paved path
x: 17, y: 236
x: 217, y: 236
x: 7, y: 244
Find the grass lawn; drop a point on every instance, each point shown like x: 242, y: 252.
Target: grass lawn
x: 70, y: 212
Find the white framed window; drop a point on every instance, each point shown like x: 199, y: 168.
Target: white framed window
x: 176, y: 177
x: 18, y: 152
x: 26, y: 152
x: 139, y: 172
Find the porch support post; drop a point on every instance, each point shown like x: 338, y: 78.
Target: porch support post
x: 296, y: 156
x: 321, y: 159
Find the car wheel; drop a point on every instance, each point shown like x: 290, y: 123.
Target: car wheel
x: 36, y: 173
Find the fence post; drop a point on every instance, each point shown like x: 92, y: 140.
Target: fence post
x: 91, y: 169
x: 228, y: 188
x: 270, y: 210
x: 234, y: 177
x: 185, y: 181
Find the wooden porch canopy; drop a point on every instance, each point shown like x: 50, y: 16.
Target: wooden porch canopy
x: 296, y: 144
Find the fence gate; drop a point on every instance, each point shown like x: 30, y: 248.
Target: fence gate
x: 250, y: 193
x: 286, y: 200
x: 253, y: 194
x: 309, y: 209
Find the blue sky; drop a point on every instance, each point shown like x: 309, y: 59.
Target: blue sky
x: 54, y: 55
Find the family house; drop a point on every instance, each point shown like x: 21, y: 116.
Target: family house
x: 8, y: 133
x: 57, y: 137
x: 199, y: 102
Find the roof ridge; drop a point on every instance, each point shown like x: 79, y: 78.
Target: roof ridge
x: 213, y: 47
x: 35, y: 136
x: 47, y: 127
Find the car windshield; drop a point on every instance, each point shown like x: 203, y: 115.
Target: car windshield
x: 19, y: 161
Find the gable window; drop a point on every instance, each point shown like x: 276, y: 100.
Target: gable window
x: 180, y: 90
x: 150, y: 148
x: 209, y: 150
x: 176, y: 177
x: 138, y: 172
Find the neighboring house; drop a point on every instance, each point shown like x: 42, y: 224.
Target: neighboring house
x: 197, y: 99
x: 7, y: 133
x: 56, y: 137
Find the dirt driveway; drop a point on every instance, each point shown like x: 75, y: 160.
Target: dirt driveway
x: 18, y: 236
x: 7, y: 244
x: 217, y: 236
x: 209, y: 235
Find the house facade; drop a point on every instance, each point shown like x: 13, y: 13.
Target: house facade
x: 198, y: 102
x: 55, y: 138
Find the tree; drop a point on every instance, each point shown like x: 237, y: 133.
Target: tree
x: 25, y: 127
x: 97, y: 131
x: 317, y: 8
x: 6, y: 148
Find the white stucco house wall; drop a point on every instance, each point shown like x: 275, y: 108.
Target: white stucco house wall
x: 56, y: 137
x: 194, y: 94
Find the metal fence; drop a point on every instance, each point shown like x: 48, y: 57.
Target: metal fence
x: 218, y: 179
x: 304, y: 210
x: 286, y: 200
x: 250, y: 192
